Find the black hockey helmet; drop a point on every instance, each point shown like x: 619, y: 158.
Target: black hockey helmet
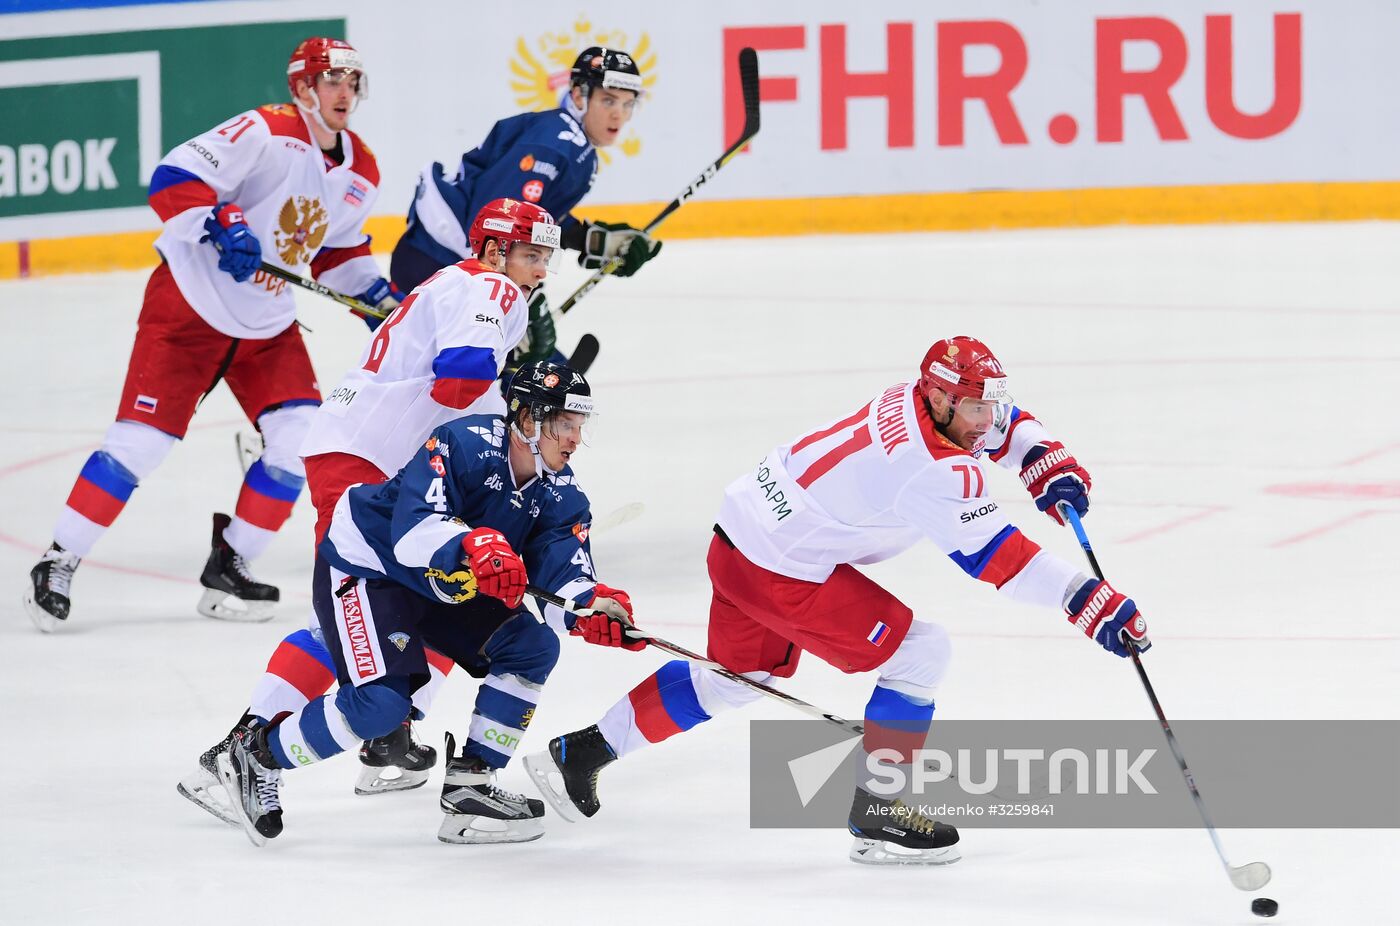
x: 597, y: 66
x: 547, y: 389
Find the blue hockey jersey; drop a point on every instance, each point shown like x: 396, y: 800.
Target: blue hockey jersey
x: 410, y: 528
x: 543, y: 158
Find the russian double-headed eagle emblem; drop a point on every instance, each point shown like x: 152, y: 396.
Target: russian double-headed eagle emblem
x: 301, y: 227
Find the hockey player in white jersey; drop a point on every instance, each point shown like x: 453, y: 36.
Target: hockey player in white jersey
x: 907, y: 466
x: 435, y: 358
x: 287, y: 184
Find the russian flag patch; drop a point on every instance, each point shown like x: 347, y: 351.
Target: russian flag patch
x: 877, y: 636
x: 145, y: 403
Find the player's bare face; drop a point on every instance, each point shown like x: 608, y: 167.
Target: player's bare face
x: 560, y: 438
x: 527, y: 264
x: 608, y: 111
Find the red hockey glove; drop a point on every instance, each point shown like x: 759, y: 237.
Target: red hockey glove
x: 499, y: 571
x: 609, y: 626
x: 1052, y: 475
x: 1108, y: 618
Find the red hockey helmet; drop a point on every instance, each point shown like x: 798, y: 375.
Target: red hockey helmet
x: 317, y: 55
x: 963, y: 367
x: 509, y: 220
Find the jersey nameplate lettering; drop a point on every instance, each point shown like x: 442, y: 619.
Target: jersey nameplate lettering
x: 889, y: 422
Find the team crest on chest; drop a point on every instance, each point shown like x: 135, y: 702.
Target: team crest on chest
x: 301, y: 227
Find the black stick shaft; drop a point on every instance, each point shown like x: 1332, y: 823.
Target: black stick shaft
x: 667, y: 646
x: 350, y: 302
x: 748, y: 78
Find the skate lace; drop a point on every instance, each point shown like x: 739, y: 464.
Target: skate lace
x: 503, y: 795
x: 269, y: 780
x: 61, y: 573
x: 912, y: 818
x: 240, y: 566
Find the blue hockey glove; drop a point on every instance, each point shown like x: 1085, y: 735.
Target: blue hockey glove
x: 384, y: 296
x: 239, y: 251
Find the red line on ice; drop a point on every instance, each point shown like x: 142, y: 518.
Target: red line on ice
x: 1172, y: 525
x: 1326, y: 528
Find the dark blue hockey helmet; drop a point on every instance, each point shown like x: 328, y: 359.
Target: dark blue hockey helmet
x: 548, y: 389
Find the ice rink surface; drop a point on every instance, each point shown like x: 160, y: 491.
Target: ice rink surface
x: 1230, y: 389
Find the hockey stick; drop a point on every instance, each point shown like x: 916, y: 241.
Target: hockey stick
x: 748, y: 82
x: 1249, y: 877
x: 811, y: 710
x: 350, y: 302
x: 585, y: 352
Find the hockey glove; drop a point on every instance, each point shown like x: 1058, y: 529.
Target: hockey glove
x: 1108, y: 618
x: 609, y: 625
x: 384, y: 296
x: 499, y: 572
x: 239, y: 251
x: 1052, y: 475
x: 602, y: 241
x: 540, y: 339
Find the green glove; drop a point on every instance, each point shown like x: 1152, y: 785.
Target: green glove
x: 602, y: 241
x: 540, y: 338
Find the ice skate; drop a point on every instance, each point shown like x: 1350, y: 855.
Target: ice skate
x: 575, y: 759
x: 394, y: 763
x: 253, y: 783
x: 476, y: 812
x: 202, y: 785
x: 891, y: 832
x: 46, y: 597
x: 230, y: 591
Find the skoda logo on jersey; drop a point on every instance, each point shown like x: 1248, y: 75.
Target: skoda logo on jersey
x: 539, y: 81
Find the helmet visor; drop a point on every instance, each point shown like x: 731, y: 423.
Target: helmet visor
x: 570, y: 427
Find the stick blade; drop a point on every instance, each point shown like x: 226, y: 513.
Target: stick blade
x: 1250, y: 877
x: 748, y: 82
x: 585, y: 353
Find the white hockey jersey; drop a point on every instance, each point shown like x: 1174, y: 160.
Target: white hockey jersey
x: 871, y: 485
x: 295, y: 202
x: 434, y: 356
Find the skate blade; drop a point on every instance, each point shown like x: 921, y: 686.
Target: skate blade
x: 374, y: 780
x: 879, y: 852
x: 216, y: 604
x: 474, y: 830
x: 230, y: 780
x: 543, y: 771
x: 204, y: 790
x: 42, y: 619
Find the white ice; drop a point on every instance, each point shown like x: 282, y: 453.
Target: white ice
x: 1193, y: 370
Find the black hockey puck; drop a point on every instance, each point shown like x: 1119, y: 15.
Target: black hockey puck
x: 1263, y: 906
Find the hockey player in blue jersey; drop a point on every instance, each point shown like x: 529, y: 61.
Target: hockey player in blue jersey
x: 548, y: 158
x: 440, y: 555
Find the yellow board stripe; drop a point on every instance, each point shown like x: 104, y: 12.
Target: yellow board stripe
x: 1262, y: 202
